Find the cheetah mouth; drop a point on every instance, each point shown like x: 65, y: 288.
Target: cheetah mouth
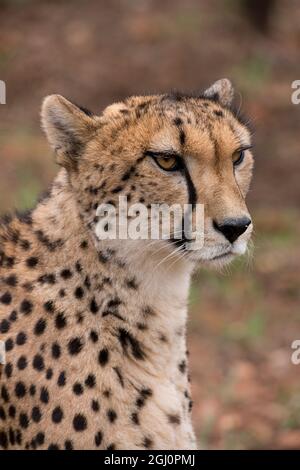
x: 222, y: 256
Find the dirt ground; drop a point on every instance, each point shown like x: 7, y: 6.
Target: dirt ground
x: 243, y: 321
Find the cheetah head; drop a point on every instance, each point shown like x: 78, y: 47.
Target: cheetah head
x: 164, y: 149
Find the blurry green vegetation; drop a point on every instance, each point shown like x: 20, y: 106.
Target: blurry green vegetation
x: 29, y: 187
x: 253, y: 74
x: 27, y: 171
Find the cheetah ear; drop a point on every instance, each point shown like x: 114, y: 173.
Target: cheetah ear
x: 221, y: 91
x: 68, y: 129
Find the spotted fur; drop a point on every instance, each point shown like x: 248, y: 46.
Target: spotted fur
x: 94, y: 330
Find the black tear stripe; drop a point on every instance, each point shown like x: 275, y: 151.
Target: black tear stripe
x: 192, y: 200
x: 191, y: 188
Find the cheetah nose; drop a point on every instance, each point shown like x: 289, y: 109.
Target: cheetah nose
x: 232, y: 228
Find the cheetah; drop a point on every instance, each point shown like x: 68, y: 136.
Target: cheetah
x: 95, y: 330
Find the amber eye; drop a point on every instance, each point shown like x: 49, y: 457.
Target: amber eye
x: 238, y: 157
x: 167, y: 163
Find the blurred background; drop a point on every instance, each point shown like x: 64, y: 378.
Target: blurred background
x: 242, y: 322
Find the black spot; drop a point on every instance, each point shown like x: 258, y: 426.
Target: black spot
x: 32, y: 390
x: 112, y: 415
x: 28, y: 287
x: 44, y: 396
x: 6, y: 298
x: 95, y: 406
x: 148, y: 311
x: 49, y: 306
x: 94, y: 336
x: 4, y: 394
x: 2, y: 414
x: 135, y: 418
x: 126, y: 339
x: 174, y: 419
x: 13, y: 316
x: 128, y: 173
x: 79, y: 292
x: 147, y: 443
x: 26, y: 307
x: 98, y: 438
x: 182, y: 137
x: 25, y: 244
x: 218, y: 113
x: 75, y: 346
x: 40, y: 327
x: 103, y: 258
x: 117, y: 189
x: 107, y: 393
x: 78, y: 388
x: 60, y: 321
x: 182, y: 367
x: 103, y: 357
x: 78, y: 266
x: 12, y: 438
x: 178, y: 121
x: 62, y: 293
x: 23, y: 420
x: 69, y: 445
x: 8, y: 370
x: 47, y: 279
x: 87, y: 282
x: 38, y: 362
x: 32, y: 262
x: 90, y: 381
x: 61, y: 381
x: 3, y: 440
x: 66, y: 274
x: 114, y: 303
x: 119, y: 375
x: 57, y: 415
x: 40, y: 438
x: 93, y: 306
x: 12, y: 411
x: 111, y: 447
x: 49, y: 374
x: 22, y: 363
x: 9, y: 344
x: 79, y: 422
x: 4, y: 326
x: 21, y: 338
x: 36, y: 414
x: 53, y: 447
x: 132, y: 284
x: 56, y: 351
x: 84, y: 245
x: 11, y: 280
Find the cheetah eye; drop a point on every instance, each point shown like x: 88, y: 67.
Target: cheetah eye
x: 239, y: 156
x: 167, y: 162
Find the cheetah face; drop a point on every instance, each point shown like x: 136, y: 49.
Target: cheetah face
x: 166, y: 149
